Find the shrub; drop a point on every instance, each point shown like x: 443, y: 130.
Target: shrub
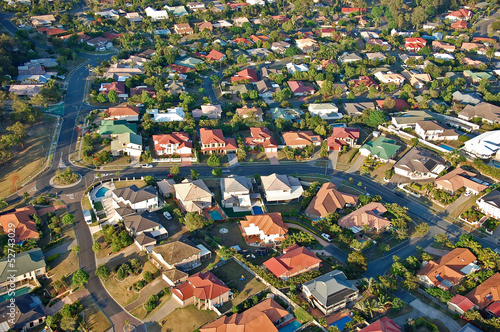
x: 148, y: 276
x: 53, y: 257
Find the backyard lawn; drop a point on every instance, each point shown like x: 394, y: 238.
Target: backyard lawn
x: 283, y: 208
x: 123, y: 184
x: 231, y: 238
x: 120, y: 290
x: 187, y: 319
x: 231, y: 274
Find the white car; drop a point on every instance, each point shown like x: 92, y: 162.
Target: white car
x: 167, y: 215
x: 147, y: 166
x: 467, y: 193
x: 326, y: 237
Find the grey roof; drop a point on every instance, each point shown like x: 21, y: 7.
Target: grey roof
x: 331, y: 288
x: 166, y: 186
x: 140, y: 222
x: 470, y: 328
x: 145, y: 239
x: 175, y: 252
x: 28, y: 308
x: 26, y: 262
x: 136, y: 195
x: 357, y: 108
x: 467, y: 98
x: 236, y: 184
x: 493, y: 198
x: 417, y: 160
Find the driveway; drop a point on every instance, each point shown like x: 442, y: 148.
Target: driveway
x: 163, y: 312
x: 61, y: 249
x: 152, y: 289
x: 430, y: 312
x: 273, y: 158
x: 453, y: 206
x: 232, y: 159
x: 333, y: 156
x: 357, y: 164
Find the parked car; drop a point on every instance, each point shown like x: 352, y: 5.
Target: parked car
x: 400, y: 194
x: 167, y: 215
x: 147, y: 166
x: 467, y: 193
x: 326, y: 237
x: 170, y: 176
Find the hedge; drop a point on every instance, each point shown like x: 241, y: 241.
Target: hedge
x: 53, y: 257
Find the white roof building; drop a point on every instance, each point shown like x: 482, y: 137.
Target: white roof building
x: 485, y: 145
x: 326, y: 111
x: 171, y: 114
x: 156, y: 15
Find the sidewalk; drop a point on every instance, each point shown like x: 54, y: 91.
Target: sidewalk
x: 61, y: 249
x: 163, y: 312
x: 360, y: 160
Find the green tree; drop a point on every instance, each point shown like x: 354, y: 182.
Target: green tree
x: 323, y: 152
x: 217, y: 172
x: 96, y: 247
x: 174, y: 171
x: 113, y: 96
x: 375, y: 118
x: 102, y: 272
x: 193, y: 221
x: 68, y: 219
x: 357, y: 262
x: 194, y: 174
x: 75, y: 248
x: 3, y: 204
x: 80, y: 278
x: 213, y: 160
x: 101, y: 98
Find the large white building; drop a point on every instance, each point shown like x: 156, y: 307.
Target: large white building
x: 326, y: 111
x: 156, y: 15
x: 171, y: 114
x: 490, y: 204
x: 484, y: 146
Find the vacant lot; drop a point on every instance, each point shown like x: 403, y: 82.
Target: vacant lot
x: 64, y: 266
x: 95, y: 319
x: 187, y: 319
x: 30, y: 159
x: 236, y: 277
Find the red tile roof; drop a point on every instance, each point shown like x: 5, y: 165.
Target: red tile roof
x: 268, y: 223
x: 401, y: 104
x: 494, y: 308
x: 180, y: 69
x: 214, y: 55
x: 384, y: 324
x: 346, y: 10
x: 242, y: 40
x: 246, y: 74
x: 122, y: 111
x: 300, y: 87
x: 463, y: 13
x: 487, y: 292
x: 462, y: 302
x: 208, y: 136
x: 296, y: 260
x: 459, y: 25
x: 255, y: 38
x: 346, y: 132
x: 202, y: 285
x: 174, y: 138
x: 25, y: 228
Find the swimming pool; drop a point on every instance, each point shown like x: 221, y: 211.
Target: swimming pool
x: 340, y: 324
x: 20, y: 291
x: 291, y: 327
x: 446, y: 147
x: 101, y: 192
x: 257, y: 210
x: 215, y: 215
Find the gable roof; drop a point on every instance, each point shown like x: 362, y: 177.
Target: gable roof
x: 260, y: 317
x: 140, y: 222
x: 190, y: 190
x: 26, y: 262
x: 382, y: 147
x: 135, y: 195
x: 329, y: 199
x: 294, y: 260
x: 346, y: 132
x: 175, y: 252
x: 487, y: 292
x: 268, y: 223
x: 25, y: 228
x: 459, y: 178
x: 448, y: 268
x: 331, y: 288
x: 462, y: 302
x: 202, y: 285
x: 384, y: 324
x: 236, y: 184
x: 278, y: 182
x: 115, y: 127
x: 369, y: 215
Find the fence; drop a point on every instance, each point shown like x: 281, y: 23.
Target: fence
x: 432, y: 298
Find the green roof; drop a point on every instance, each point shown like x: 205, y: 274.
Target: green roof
x: 413, y: 116
x: 382, y: 147
x: 24, y: 263
x: 116, y: 127
x: 176, y: 10
x: 287, y: 114
x: 188, y: 62
x: 479, y: 75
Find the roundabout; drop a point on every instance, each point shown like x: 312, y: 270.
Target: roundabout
x: 53, y: 183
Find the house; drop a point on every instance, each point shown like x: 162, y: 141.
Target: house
x: 343, y: 136
x: 194, y: 6
x: 357, y: 108
x: 280, y: 46
x: 439, y: 45
x: 205, y: 25
x: 433, y: 131
x: 250, y: 112
x: 175, y: 87
x: 20, y: 222
x: 21, y: 314
x: 460, y: 304
x: 138, y: 199
x: 109, y: 14
x: 238, y: 89
x: 415, y: 44
x: 469, y: 47
x: 261, y: 136
x: 166, y: 187
x: 266, y: 89
x: 328, y: 200
x: 204, y: 290
x: 326, y: 111
x: 469, y: 328
x: 290, y: 114
x: 349, y: 57
x: 118, y: 87
x: 416, y: 79
x: 112, y: 128
x: 263, y: 229
x: 183, y: 29
x: 369, y: 216
x: 300, y: 88
x: 485, y: 111
x: 390, y: 77
x: 384, y: 324
x: 484, y: 146
x: 147, y: 225
x: 459, y: 25
x: 490, y: 204
x: 382, y: 149
x: 124, y: 112
x: 176, y: 143
x: 180, y: 69
x: 367, y: 81
x: 215, y: 55
x: 347, y: 10
x: 28, y: 266
x: 379, y: 56
x: 459, y: 178
x: 213, y: 141
x: 467, y: 98
x: 459, y: 15
x: 127, y: 144
x: 237, y: 192
x: 171, y: 114
x: 28, y: 90
x: 121, y: 72
x: 292, y: 68
x: 245, y: 75
x: 418, y: 164
x: 301, y: 139
x: 449, y: 270
x: 430, y: 26
x: 265, y: 316
x: 306, y: 45
x: 138, y: 90
x: 239, y: 21
x: 472, y: 62
x: 294, y: 261
x: 193, y: 196
x: 42, y: 20
x: 477, y: 77
x: 244, y: 41
x: 330, y: 292
x: 486, y: 293
x: 133, y: 17
x: 176, y: 10
x: 174, y: 259
x: 409, y: 118
x: 211, y: 111
x: 281, y: 188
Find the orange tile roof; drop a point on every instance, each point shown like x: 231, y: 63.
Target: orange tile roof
x: 25, y: 228
x: 448, y: 267
x: 214, y: 55
x: 457, y: 179
x: 202, y: 285
x: 369, y: 215
x: 486, y: 293
x: 298, y: 138
x: 261, y: 136
x: 174, y: 138
x: 295, y: 261
x: 122, y: 111
x: 269, y: 223
x: 384, y: 324
x: 462, y: 302
x: 329, y: 199
x: 459, y: 25
x: 259, y: 318
x: 211, y: 136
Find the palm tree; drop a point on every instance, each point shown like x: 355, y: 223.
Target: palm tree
x: 368, y: 284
